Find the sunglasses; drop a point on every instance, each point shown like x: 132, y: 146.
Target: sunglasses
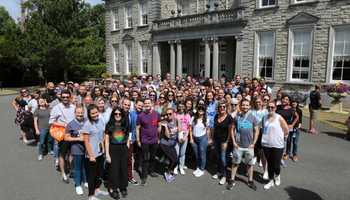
x: 152, y: 95
x: 65, y: 97
x: 271, y: 107
x: 179, y: 96
x: 222, y: 106
x: 266, y: 99
x: 117, y: 114
x: 169, y: 114
x: 114, y: 101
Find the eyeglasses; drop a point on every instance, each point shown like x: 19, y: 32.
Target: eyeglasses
x: 114, y: 101
x: 169, y: 114
x: 65, y: 97
x: 162, y: 97
x: 266, y: 99
x: 117, y: 114
x: 179, y: 96
x: 222, y: 106
x: 271, y: 107
x: 152, y: 95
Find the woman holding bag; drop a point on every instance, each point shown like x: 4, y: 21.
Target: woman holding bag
x: 117, y: 143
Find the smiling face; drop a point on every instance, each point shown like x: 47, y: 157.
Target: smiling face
x: 94, y: 114
x: 79, y: 113
x: 245, y: 106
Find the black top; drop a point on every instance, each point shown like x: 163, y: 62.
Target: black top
x: 221, y: 130
x: 315, y: 98
x: 287, y: 114
x: 300, y: 114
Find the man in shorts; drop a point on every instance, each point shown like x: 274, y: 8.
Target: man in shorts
x: 314, y: 106
x: 244, y: 139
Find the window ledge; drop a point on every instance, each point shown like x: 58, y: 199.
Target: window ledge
x: 142, y: 25
x: 267, y: 8
x: 306, y: 3
x: 127, y: 28
x: 306, y: 83
x: 115, y: 31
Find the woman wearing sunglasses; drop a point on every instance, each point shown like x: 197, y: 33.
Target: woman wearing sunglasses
x: 275, y: 130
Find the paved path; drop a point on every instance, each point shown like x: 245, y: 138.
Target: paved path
x: 322, y: 173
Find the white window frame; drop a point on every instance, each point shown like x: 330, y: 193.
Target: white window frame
x: 143, y: 8
x: 309, y: 28
x: 257, y: 53
x: 211, y: 4
x: 143, y: 52
x: 128, y: 58
x: 331, y: 48
x: 300, y: 2
x: 128, y: 16
x: 116, y: 56
x: 115, y: 19
x: 260, y: 2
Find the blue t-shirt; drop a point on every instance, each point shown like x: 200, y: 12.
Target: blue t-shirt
x: 245, y: 129
x: 73, y: 128
x: 95, y: 130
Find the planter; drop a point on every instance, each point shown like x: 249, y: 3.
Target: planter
x: 336, y: 104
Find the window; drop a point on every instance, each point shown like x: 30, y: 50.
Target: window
x: 143, y: 58
x: 267, y: 3
x: 184, y: 6
x: 266, y: 52
x: 301, y: 54
x: 128, y: 17
x: 143, y: 13
x: 341, y: 55
x: 211, y: 5
x: 115, y: 19
x: 116, y: 58
x: 128, y: 58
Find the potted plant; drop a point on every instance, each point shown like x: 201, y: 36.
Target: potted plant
x: 338, y: 91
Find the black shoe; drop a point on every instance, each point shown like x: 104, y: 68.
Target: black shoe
x: 114, y: 194
x: 153, y: 174
x: 124, y: 193
x: 230, y: 184
x: 252, y: 185
x: 143, y: 182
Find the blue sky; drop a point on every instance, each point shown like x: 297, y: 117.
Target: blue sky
x: 12, y: 6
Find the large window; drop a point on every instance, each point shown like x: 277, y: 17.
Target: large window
x: 341, y: 56
x: 115, y: 19
x: 128, y: 58
x: 301, y: 54
x: 143, y: 13
x: 116, y: 58
x: 128, y: 17
x: 143, y: 58
x: 266, y: 52
x: 267, y: 3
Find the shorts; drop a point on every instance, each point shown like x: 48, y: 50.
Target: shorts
x: 245, y: 154
x: 313, y: 114
x: 64, y: 148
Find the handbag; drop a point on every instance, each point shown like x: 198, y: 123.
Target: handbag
x: 57, y: 131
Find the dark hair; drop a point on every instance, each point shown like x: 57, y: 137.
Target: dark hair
x: 111, y: 125
x: 196, y: 116
x: 65, y: 92
x: 89, y: 109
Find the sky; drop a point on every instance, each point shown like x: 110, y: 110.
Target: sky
x: 12, y: 6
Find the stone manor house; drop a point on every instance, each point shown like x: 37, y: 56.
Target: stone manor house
x: 289, y: 42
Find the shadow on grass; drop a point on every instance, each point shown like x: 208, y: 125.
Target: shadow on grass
x: 296, y: 193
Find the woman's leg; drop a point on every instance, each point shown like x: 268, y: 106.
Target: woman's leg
x: 182, y: 154
x: 203, y: 146
x: 195, y: 147
x: 270, y: 162
x: 276, y: 157
x: 77, y: 160
x: 123, y: 184
x: 295, y: 142
x: 92, y: 172
x: 42, y: 137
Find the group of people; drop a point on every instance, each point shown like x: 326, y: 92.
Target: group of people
x: 144, y: 125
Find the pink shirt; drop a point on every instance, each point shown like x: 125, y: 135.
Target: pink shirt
x: 185, y: 120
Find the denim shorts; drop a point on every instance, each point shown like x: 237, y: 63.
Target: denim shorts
x: 243, y: 154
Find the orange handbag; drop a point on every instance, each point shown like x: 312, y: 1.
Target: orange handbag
x: 57, y: 131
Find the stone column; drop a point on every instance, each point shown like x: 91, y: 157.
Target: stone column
x: 216, y: 59
x: 156, y: 59
x: 179, y: 58
x: 207, y: 58
x: 172, y: 59
x: 238, y: 69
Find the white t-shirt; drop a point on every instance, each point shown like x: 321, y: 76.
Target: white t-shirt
x: 198, y: 129
x: 273, y: 135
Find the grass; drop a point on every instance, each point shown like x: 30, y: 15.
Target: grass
x: 336, y: 120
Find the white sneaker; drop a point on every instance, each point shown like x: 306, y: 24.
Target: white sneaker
x: 79, y: 190
x: 222, y: 181
x: 278, y: 180
x: 199, y: 173
x: 269, y: 185
x: 175, y: 171
x: 185, y: 167
x: 266, y: 175
x: 260, y: 164
x: 56, y: 162
x: 40, y: 157
x: 195, y: 171
x: 182, y: 171
x: 99, y: 192
x: 86, y: 185
x: 93, y: 198
x: 215, y: 176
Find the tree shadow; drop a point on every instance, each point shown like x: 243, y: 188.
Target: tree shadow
x: 335, y: 134
x: 300, y: 193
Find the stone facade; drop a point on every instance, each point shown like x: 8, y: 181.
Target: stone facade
x: 241, y: 21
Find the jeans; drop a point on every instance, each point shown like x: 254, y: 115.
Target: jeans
x: 221, y: 160
x: 200, y: 145
x: 44, y: 132
x: 292, y: 143
x: 79, y: 169
x: 181, y: 152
